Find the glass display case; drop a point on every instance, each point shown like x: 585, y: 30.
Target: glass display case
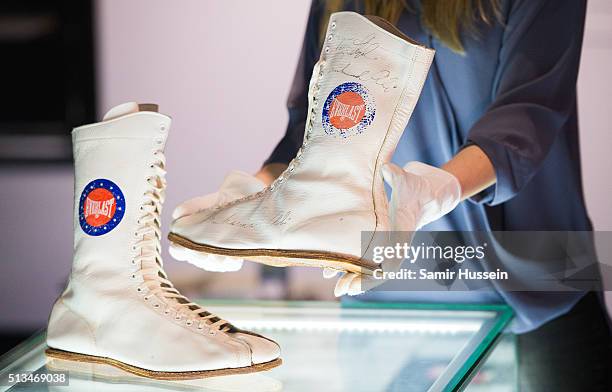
x: 327, y: 347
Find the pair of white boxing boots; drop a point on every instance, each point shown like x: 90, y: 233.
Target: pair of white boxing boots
x: 120, y: 308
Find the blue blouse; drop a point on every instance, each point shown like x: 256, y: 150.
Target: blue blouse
x: 513, y: 94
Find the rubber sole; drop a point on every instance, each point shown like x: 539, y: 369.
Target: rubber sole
x: 282, y: 257
x: 191, y: 375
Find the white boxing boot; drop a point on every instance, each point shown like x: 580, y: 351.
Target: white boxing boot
x: 119, y: 307
x: 362, y: 93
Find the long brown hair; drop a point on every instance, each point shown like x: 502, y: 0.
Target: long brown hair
x: 445, y: 19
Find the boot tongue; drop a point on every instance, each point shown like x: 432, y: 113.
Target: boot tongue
x: 121, y: 110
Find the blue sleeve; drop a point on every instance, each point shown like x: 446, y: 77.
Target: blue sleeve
x: 297, y: 103
x: 534, y: 93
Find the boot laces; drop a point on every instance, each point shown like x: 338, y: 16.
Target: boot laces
x: 313, y: 99
x: 155, y: 279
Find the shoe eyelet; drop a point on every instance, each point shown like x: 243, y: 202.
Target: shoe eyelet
x: 146, y: 298
x: 139, y: 289
x: 189, y: 323
x: 133, y: 276
x: 327, y: 49
x: 329, y: 37
x: 156, y: 306
x: 178, y: 318
x: 166, y: 312
x: 333, y: 25
x: 212, y: 333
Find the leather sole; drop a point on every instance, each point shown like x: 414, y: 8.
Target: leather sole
x: 282, y: 257
x: 191, y: 375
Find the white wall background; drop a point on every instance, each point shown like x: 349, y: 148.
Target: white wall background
x: 221, y: 69
x: 595, y: 113
x: 595, y: 116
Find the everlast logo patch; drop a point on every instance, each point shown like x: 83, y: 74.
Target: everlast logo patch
x: 101, y: 207
x: 348, y: 110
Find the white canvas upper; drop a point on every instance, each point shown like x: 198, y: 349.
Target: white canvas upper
x: 118, y: 303
x: 362, y: 93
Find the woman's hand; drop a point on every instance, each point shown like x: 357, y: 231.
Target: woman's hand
x: 420, y: 195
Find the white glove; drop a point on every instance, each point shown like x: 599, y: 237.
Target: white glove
x: 420, y: 194
x: 236, y: 185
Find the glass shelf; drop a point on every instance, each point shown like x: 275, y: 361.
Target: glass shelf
x: 326, y: 347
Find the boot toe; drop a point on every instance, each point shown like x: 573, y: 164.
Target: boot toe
x: 262, y: 350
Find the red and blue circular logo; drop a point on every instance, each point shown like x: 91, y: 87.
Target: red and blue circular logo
x: 348, y: 110
x: 101, y: 207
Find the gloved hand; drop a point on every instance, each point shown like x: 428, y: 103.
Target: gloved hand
x: 420, y: 194
x: 236, y: 185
